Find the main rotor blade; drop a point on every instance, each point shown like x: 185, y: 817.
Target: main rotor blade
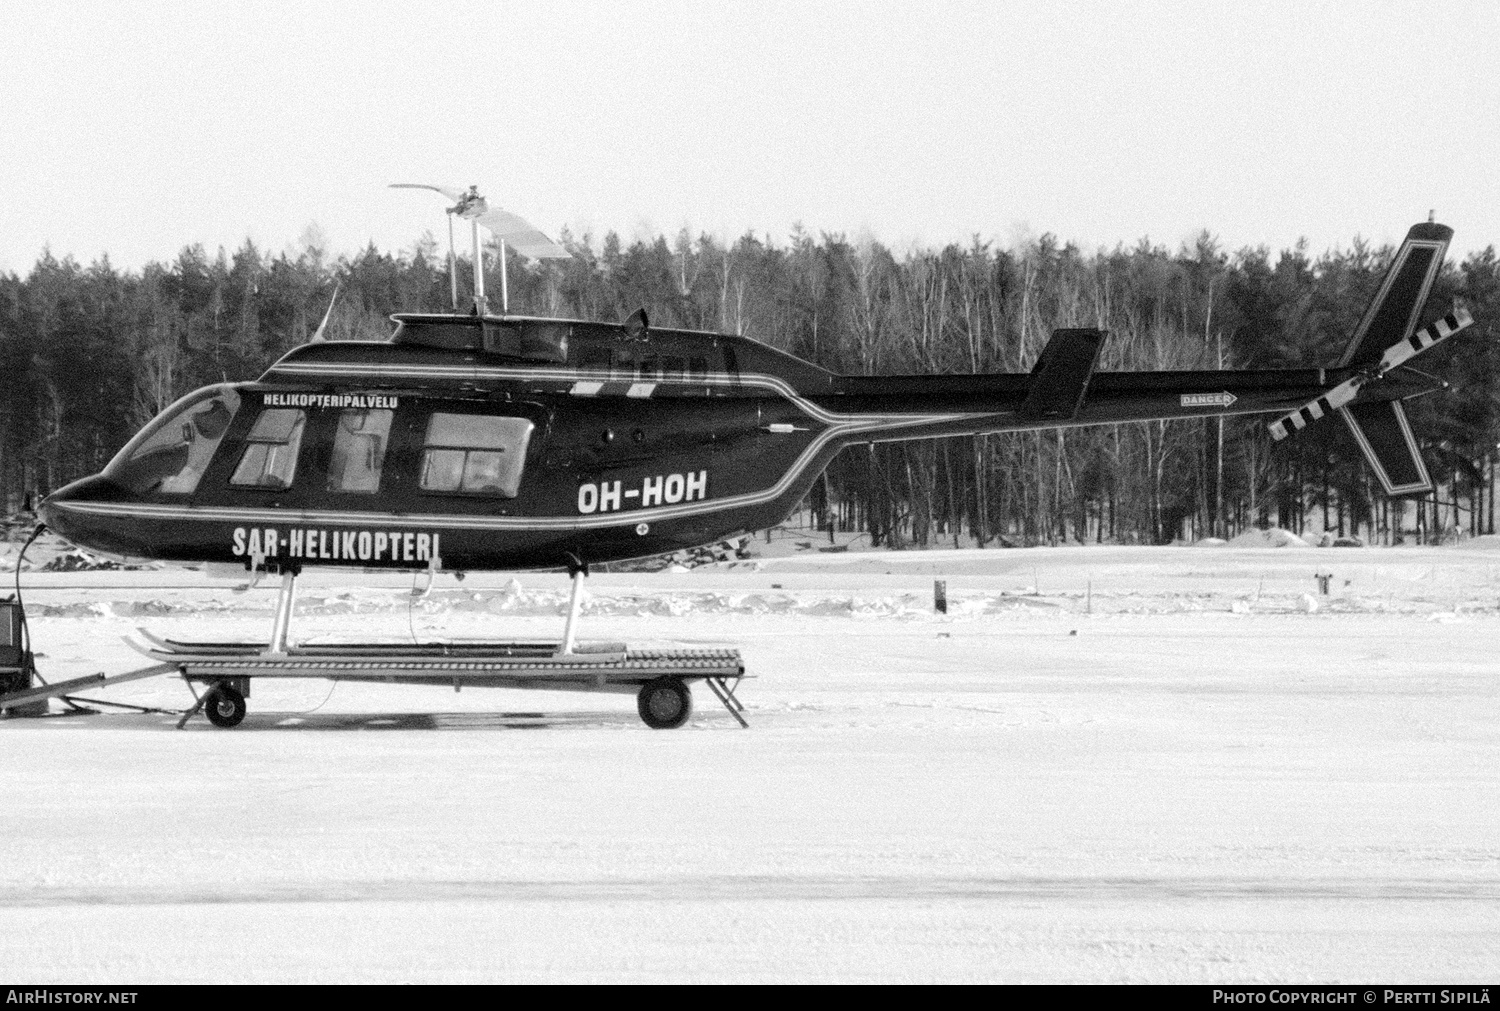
x: 455, y: 195
x: 522, y: 236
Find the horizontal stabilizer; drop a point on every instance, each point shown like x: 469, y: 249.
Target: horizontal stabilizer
x: 1393, y: 313
x: 1060, y: 379
x: 1395, y: 355
x: 1385, y: 437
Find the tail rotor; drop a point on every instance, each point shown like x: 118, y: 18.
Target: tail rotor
x: 1386, y: 339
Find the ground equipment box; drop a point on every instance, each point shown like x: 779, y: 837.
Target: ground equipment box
x: 15, y: 661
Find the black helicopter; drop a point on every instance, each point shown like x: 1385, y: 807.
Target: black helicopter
x: 474, y: 442
x: 481, y: 442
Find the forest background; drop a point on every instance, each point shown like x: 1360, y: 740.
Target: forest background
x: 89, y: 354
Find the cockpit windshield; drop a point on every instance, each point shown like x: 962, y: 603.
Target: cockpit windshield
x: 170, y: 454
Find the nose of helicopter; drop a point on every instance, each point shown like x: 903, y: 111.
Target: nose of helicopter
x: 73, y: 512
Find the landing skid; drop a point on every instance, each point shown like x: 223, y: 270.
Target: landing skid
x: 659, y: 678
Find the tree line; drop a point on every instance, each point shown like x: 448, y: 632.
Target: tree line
x: 88, y: 354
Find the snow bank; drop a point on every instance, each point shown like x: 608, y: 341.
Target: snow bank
x: 1275, y: 537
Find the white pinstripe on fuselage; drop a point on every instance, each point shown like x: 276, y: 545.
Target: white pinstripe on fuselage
x: 585, y: 383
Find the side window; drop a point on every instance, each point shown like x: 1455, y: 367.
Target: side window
x: 595, y: 359
x: 270, y: 458
x: 359, y: 447
x: 533, y: 341
x: 624, y: 364
x: 172, y: 453
x: 475, y: 454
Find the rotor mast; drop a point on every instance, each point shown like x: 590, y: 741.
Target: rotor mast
x: 524, y: 237
x: 470, y: 206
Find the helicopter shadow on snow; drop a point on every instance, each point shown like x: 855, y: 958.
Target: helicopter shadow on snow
x: 438, y: 721
x: 372, y: 721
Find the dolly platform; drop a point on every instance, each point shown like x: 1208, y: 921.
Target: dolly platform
x: 658, y: 677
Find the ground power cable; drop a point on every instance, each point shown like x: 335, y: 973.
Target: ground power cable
x: 332, y: 686
x: 21, y: 605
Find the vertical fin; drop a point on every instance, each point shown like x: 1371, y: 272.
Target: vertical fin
x: 1385, y: 437
x: 1393, y: 312
x: 1060, y: 379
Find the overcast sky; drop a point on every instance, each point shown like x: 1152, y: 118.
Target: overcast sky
x: 134, y: 130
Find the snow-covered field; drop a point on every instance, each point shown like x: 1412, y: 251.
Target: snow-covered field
x: 1105, y: 764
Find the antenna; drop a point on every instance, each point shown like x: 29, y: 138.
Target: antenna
x: 323, y: 326
x: 452, y: 266
x: 523, y: 236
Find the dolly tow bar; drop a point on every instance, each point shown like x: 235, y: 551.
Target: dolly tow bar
x: 61, y: 689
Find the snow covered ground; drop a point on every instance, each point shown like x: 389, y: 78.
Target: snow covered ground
x: 1105, y: 764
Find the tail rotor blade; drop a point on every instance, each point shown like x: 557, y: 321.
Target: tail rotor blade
x: 1425, y: 338
x: 1397, y: 354
x: 1315, y: 409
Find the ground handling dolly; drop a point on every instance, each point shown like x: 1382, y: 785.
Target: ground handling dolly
x: 658, y: 677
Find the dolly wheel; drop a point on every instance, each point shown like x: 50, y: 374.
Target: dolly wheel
x: 225, y: 706
x: 665, y: 703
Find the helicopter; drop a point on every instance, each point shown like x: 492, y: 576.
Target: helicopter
x: 490, y: 441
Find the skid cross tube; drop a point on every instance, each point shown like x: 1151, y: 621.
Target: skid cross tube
x: 286, y: 600
x: 575, y: 605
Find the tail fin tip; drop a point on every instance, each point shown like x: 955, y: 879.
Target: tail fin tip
x: 1393, y: 312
